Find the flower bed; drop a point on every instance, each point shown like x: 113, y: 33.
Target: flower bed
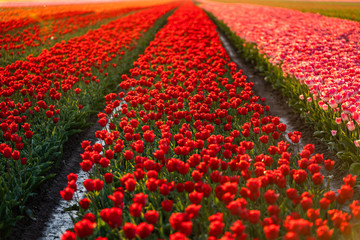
x: 311, y: 58
x: 47, y: 98
x: 45, y: 30
x: 193, y: 154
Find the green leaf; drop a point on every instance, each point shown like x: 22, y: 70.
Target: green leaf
x: 30, y: 214
x: 355, y: 169
x: 339, y: 154
x: 318, y: 133
x: 72, y: 208
x: 347, y: 156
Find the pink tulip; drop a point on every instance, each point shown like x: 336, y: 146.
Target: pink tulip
x: 350, y: 125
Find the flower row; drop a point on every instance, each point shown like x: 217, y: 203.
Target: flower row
x: 46, y: 30
x: 18, y: 17
x: 319, y: 51
x: 193, y: 154
x: 321, y: 55
x: 47, y: 98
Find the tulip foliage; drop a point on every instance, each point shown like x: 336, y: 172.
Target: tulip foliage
x: 314, y: 61
x: 45, y: 99
x: 190, y: 152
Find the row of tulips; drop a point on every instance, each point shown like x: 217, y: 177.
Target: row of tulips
x: 46, y: 30
x: 313, y: 59
x: 47, y: 98
x: 18, y: 17
x: 41, y: 11
x: 190, y: 152
x: 17, y: 24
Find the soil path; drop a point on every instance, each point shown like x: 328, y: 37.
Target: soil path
x: 279, y: 107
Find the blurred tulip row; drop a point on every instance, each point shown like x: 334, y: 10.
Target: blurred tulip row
x: 24, y: 36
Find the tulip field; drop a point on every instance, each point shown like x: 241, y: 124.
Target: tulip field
x: 187, y: 149
x: 347, y: 9
x: 316, y: 65
x: 48, y: 97
x: 31, y: 30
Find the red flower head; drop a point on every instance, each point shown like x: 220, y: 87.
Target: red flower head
x: 84, y: 203
x: 129, y: 230
x: 135, y: 209
x: 72, y: 176
x: 291, y: 236
x: 329, y: 165
x: 140, y: 198
x: 178, y: 236
x: 152, y: 216
x: 167, y: 205
x: 89, y: 185
x: 90, y: 217
x: 109, y: 154
x: 254, y: 216
x: 193, y: 210
x: 84, y: 228
x: 144, y: 230
x: 117, y: 198
x: 86, y: 165
x: 270, y: 196
x: 330, y: 195
x: 216, y: 228
x: 324, y: 203
x: 164, y: 189
x: 345, y: 193
x: 68, y: 235
x: 264, y: 139
x: 313, y: 214
x: 323, y: 232
x: 130, y: 184
x: 237, y: 228
x: 128, y: 155
x: 237, y: 207
x: 195, y: 197
x: 350, y: 180
x: 98, y: 184
x: 67, y: 193
x: 281, y: 127
x: 299, y: 176
x: 112, y: 216
x: 108, y: 177
x: 271, y: 231
x: 317, y: 178
x: 306, y: 203
x: 149, y: 136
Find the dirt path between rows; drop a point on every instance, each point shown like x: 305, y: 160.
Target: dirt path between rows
x: 279, y: 107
